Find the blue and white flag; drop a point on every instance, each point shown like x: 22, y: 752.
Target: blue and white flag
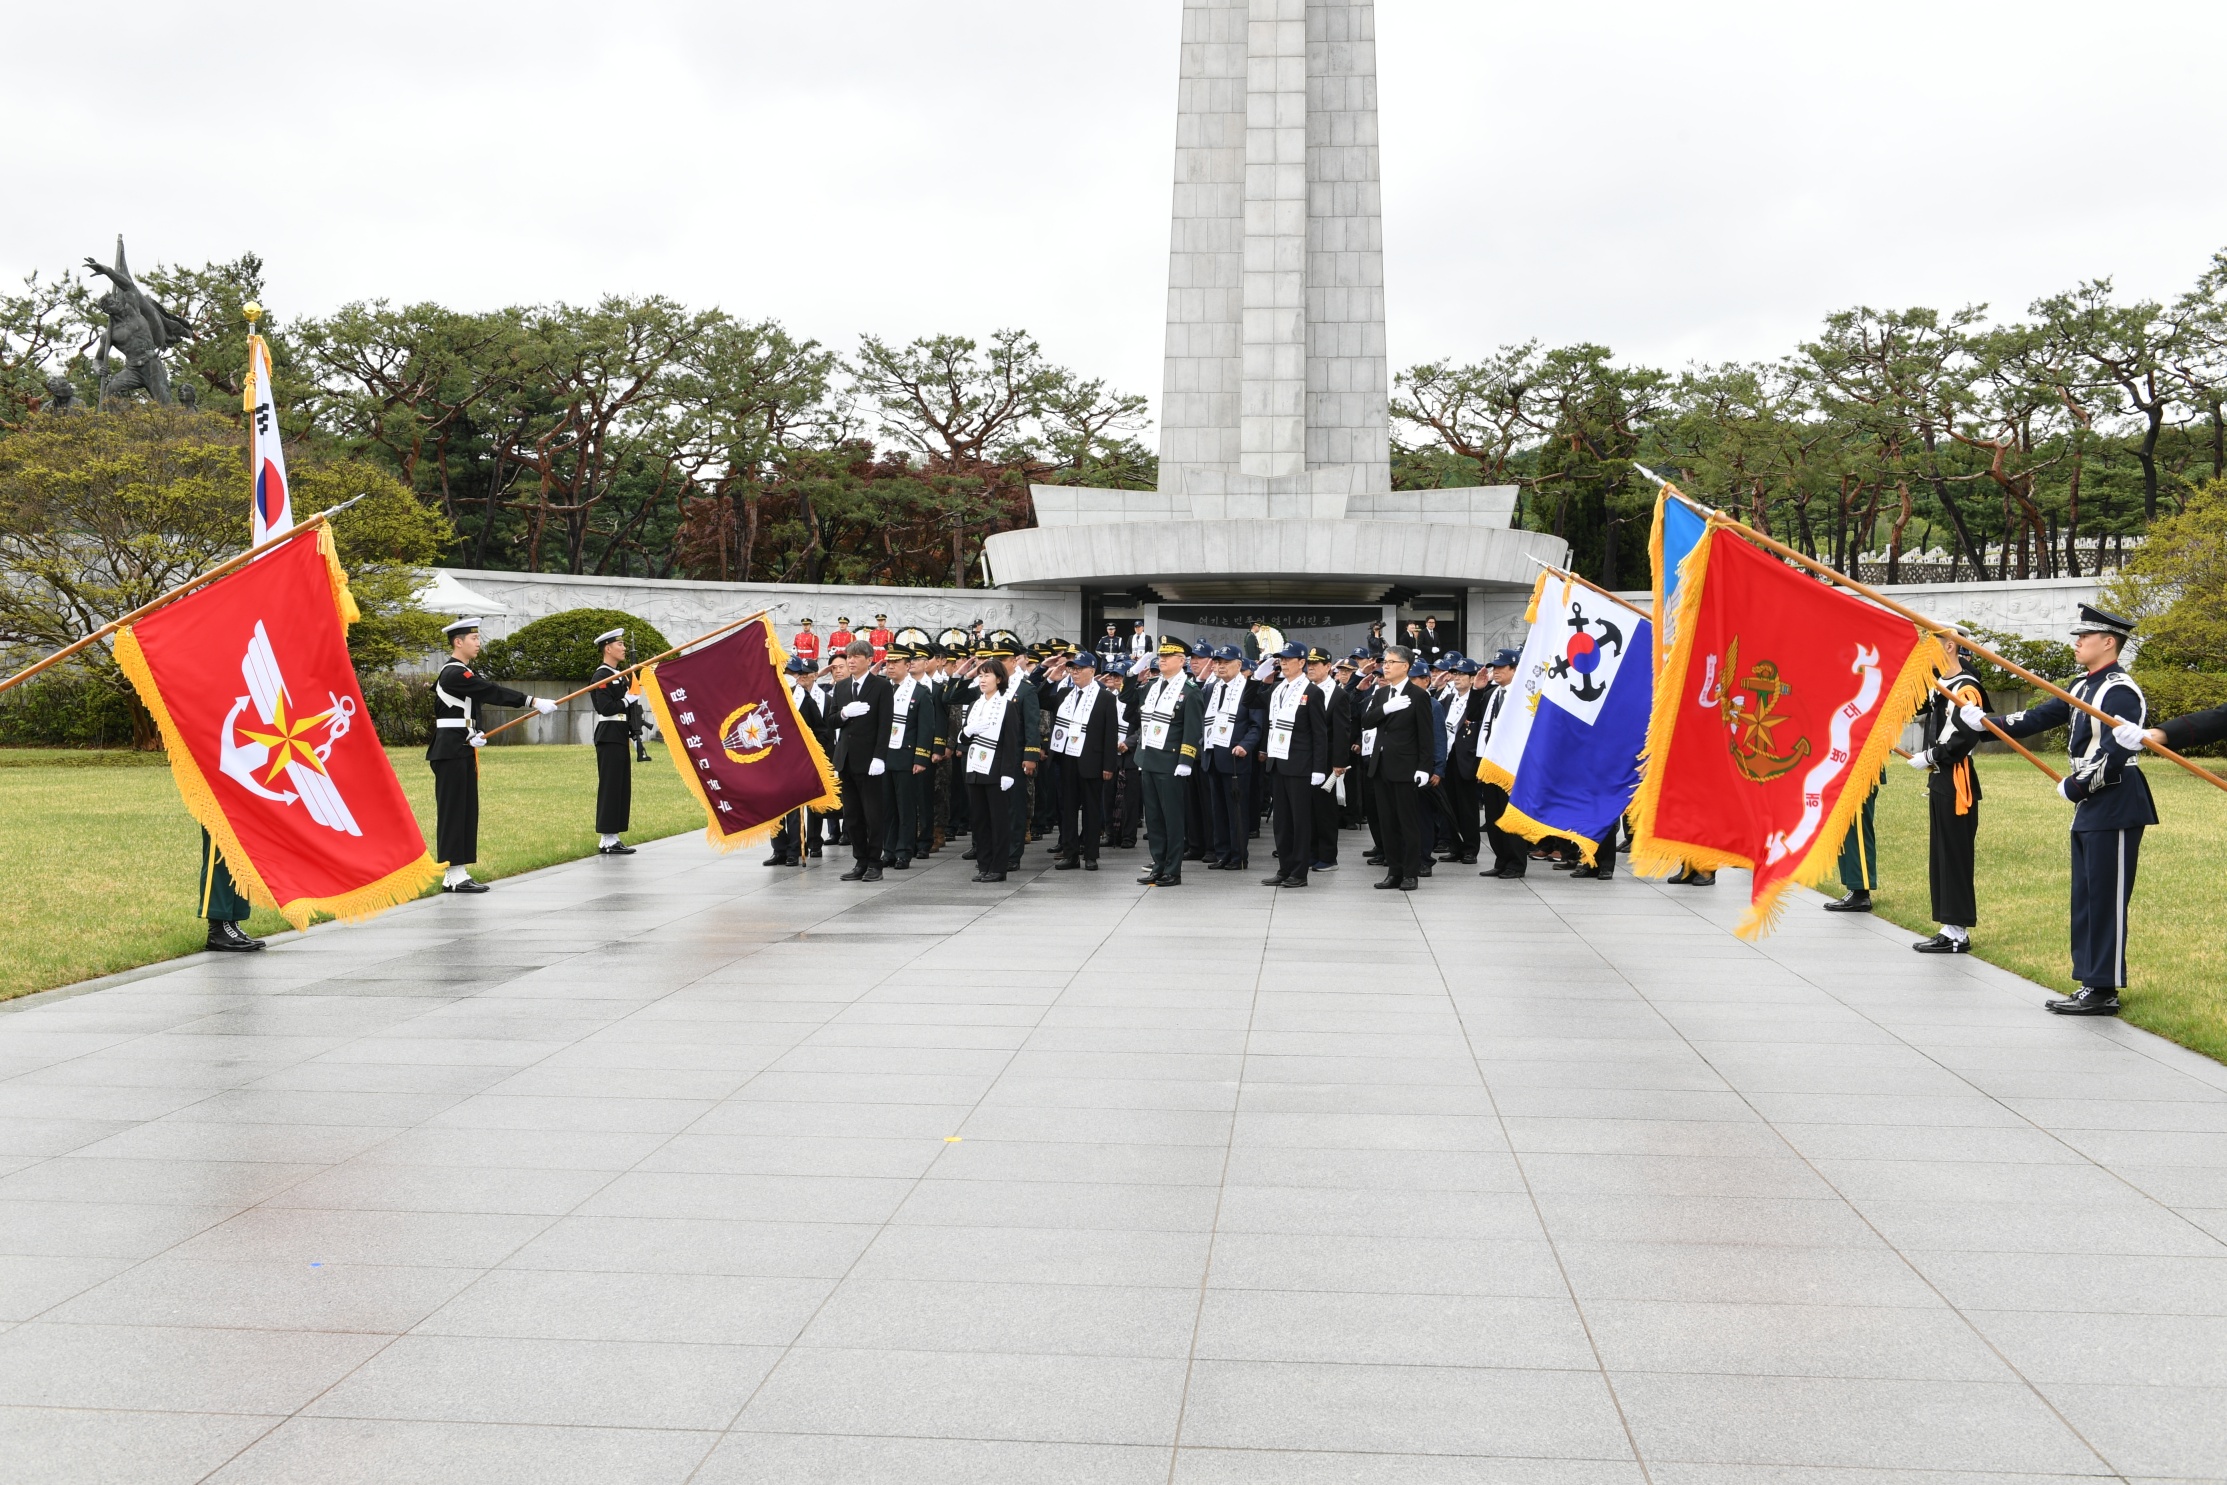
x: 1679, y: 527
x: 1567, y: 740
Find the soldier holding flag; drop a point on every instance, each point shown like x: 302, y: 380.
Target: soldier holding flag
x: 618, y: 721
x: 458, y: 693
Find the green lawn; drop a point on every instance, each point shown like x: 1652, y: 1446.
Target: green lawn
x: 2177, y: 936
x: 100, y: 872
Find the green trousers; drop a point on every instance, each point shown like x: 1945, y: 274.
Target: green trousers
x: 1164, y: 803
x: 1859, y: 852
x: 220, y: 900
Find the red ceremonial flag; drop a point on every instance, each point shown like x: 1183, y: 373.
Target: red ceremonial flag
x: 1774, y: 714
x: 736, y: 735
x: 250, y: 681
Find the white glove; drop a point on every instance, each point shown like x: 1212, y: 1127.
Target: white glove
x: 1972, y: 717
x: 2062, y: 786
x: 478, y: 739
x: 633, y: 699
x: 875, y: 769
x: 1264, y: 670
x: 544, y: 705
x: 1005, y: 783
x: 1922, y: 758
x: 855, y: 709
x: 1316, y: 779
x: 1422, y: 777
x: 2129, y: 735
x: 1183, y: 770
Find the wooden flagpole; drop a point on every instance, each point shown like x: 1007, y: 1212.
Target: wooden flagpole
x: 637, y: 665
x: 188, y: 586
x: 1932, y: 625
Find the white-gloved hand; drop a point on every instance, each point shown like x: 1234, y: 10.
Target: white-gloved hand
x: 855, y: 709
x: 634, y: 698
x: 1922, y: 758
x: 1972, y: 717
x: 544, y: 705
x: 478, y: 739
x: 2129, y: 735
x: 1422, y: 777
x: 1183, y: 770
x: 875, y: 769
x: 1316, y: 779
x: 1264, y: 670
x: 1005, y: 783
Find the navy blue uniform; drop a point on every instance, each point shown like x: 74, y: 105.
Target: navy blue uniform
x: 2111, y: 807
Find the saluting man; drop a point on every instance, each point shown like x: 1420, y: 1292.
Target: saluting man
x: 2111, y: 805
x: 1167, y: 743
x: 858, y: 708
x: 618, y: 721
x: 458, y: 693
x: 1298, y: 752
x: 1399, y: 735
x: 1952, y: 798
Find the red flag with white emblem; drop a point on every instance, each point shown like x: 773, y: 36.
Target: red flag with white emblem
x: 250, y: 681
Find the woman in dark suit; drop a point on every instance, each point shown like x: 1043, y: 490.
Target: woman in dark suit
x: 990, y: 743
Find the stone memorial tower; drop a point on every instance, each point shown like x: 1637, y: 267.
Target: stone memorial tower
x: 1275, y: 389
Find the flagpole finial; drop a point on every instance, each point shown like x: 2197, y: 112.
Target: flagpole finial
x: 253, y: 311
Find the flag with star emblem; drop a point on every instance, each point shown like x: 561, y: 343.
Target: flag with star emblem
x: 1774, y: 712
x: 250, y: 682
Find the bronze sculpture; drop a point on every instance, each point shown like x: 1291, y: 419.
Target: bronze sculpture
x: 139, y: 328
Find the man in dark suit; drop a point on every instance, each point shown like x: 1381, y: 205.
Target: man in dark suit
x: 1338, y: 707
x: 1234, y: 719
x: 1085, y: 737
x: 1399, y: 736
x: 859, y: 712
x: 1297, y: 753
x: 788, y: 841
x: 1465, y: 709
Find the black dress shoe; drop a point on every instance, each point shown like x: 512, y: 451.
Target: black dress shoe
x: 1469, y: 860
x: 1274, y: 881
x: 1091, y: 864
x: 1389, y: 884
x: 1149, y: 879
x: 1293, y: 881
x: 1941, y: 943
x: 1424, y: 870
x: 1172, y: 879
x: 967, y: 854
x: 1565, y: 866
x: 1581, y: 872
x: 871, y: 874
x: 902, y: 863
x: 465, y: 886
x: 621, y: 849
x: 1854, y: 902
x: 1066, y: 863
x: 227, y: 938
x: 776, y: 859
x: 855, y: 874
x: 1495, y: 872
x: 1409, y: 884
x: 2093, y: 1000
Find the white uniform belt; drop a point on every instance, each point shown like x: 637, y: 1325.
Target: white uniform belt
x: 445, y: 699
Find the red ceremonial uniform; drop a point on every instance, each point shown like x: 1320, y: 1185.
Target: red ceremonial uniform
x: 880, y: 639
x: 805, y: 644
x: 840, y: 640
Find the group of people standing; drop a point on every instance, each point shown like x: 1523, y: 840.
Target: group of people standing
x: 1196, y: 747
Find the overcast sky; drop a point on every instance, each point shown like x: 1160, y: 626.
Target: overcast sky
x: 1699, y: 180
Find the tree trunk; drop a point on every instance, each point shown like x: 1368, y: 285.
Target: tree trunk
x: 2146, y: 452
x: 2072, y: 517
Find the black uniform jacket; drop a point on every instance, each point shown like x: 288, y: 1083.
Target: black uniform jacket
x: 859, y: 738
x: 1250, y: 725
x: 459, y: 692
x: 1309, y: 753
x: 2196, y: 728
x: 1101, y: 724
x: 1951, y: 742
x: 615, y: 721
x: 1406, y: 740
x: 2107, y: 791
x: 1345, y: 726
x: 1007, y: 764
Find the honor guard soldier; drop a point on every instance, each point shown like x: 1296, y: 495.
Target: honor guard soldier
x: 805, y: 644
x: 1086, y: 733
x: 839, y: 643
x: 879, y: 637
x: 1167, y: 741
x: 788, y: 841
x: 1952, y: 798
x: 458, y: 693
x: 2180, y: 734
x: 859, y: 706
x: 618, y: 721
x: 2111, y: 805
x: 1400, y: 739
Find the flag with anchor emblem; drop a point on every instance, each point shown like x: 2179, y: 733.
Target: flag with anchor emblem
x: 1565, y: 743
x: 250, y: 682
x: 737, y: 735
x: 1774, y: 713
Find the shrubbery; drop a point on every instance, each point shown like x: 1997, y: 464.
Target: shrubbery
x: 65, y: 709
x: 562, y: 647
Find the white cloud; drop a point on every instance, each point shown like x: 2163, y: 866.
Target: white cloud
x: 1704, y: 180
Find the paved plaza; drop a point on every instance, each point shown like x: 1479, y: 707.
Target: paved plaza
x: 682, y: 1169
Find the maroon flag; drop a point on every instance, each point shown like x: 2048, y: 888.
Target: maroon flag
x: 736, y: 736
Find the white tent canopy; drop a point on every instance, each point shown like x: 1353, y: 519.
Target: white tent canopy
x: 443, y: 594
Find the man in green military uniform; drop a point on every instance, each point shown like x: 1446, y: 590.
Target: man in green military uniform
x: 458, y: 693
x: 618, y: 721
x: 223, y: 904
x: 1170, y: 727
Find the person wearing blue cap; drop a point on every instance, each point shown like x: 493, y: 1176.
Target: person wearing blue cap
x: 1297, y: 748
x: 1401, y: 742
x: 1511, y: 853
x: 2110, y: 799
x: 1085, y: 734
x: 788, y: 841
x: 1337, y: 704
x: 1234, y: 716
x: 1463, y: 725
